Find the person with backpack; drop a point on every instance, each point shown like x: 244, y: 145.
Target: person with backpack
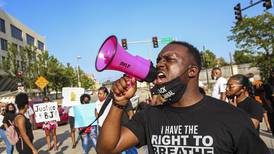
x: 23, y: 126
x: 8, y: 122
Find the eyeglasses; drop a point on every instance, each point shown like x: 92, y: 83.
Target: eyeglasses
x: 230, y: 86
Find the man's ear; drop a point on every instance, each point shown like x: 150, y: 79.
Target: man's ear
x: 193, y: 71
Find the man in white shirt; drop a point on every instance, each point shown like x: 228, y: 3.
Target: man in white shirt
x: 102, y: 95
x: 220, y: 84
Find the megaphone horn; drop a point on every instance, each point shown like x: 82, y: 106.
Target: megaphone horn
x: 112, y: 56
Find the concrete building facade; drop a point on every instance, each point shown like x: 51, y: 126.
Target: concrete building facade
x: 16, y: 33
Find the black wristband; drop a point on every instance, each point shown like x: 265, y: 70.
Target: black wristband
x: 123, y: 107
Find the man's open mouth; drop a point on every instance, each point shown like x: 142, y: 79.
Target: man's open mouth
x: 161, y: 77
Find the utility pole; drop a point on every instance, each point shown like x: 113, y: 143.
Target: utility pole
x: 78, y: 71
x: 231, y: 65
x: 205, y: 62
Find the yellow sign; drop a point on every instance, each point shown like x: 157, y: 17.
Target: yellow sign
x: 41, y: 82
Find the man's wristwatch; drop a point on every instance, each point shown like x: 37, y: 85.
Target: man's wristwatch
x: 123, y: 107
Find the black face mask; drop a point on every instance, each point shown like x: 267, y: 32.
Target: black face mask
x: 13, y: 111
x: 171, y: 91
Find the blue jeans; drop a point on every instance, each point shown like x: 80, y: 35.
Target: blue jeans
x: 132, y: 150
x: 9, y: 147
x: 89, y: 140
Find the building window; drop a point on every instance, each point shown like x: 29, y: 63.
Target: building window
x: 2, y: 25
x: 4, y: 44
x: 30, y: 40
x: 40, y: 45
x: 16, y: 33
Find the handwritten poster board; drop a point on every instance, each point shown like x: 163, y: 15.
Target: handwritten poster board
x: 71, y: 96
x: 84, y: 114
x: 46, y: 112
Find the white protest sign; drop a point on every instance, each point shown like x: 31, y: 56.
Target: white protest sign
x: 46, y: 112
x: 71, y: 96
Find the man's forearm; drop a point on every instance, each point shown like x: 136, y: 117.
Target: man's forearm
x: 110, y: 132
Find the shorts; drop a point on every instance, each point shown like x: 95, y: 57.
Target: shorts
x: 50, y: 125
x: 71, y: 122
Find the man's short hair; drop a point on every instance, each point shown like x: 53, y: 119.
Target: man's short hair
x: 21, y: 100
x: 193, y: 51
x: 216, y: 68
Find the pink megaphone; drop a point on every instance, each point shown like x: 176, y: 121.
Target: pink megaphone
x: 112, y: 56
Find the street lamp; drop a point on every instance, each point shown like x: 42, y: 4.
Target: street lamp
x: 78, y: 71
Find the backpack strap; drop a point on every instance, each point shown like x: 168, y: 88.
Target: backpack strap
x: 11, y: 123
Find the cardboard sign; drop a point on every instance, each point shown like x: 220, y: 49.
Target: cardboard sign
x: 72, y: 96
x: 46, y: 112
x: 84, y: 115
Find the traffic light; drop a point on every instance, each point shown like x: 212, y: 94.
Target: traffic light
x: 267, y: 4
x: 124, y: 43
x: 238, y: 12
x: 155, y: 42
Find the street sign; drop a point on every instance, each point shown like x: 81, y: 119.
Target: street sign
x: 166, y: 40
x: 41, y: 82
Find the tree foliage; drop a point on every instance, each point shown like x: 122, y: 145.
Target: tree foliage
x: 34, y: 63
x: 210, y: 60
x: 256, y: 36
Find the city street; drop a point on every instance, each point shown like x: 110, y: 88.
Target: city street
x: 64, y: 142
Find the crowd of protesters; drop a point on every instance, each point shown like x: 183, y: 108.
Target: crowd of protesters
x: 241, y: 91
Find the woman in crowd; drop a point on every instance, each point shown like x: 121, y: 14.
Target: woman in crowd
x: 239, y: 92
x: 50, y: 127
x: 102, y: 95
x: 88, y: 131
x: 8, y: 120
x: 23, y: 126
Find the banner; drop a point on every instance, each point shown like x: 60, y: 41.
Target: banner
x: 84, y: 114
x: 71, y: 96
x: 46, y: 112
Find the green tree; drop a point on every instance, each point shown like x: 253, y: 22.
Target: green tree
x: 256, y: 35
x: 243, y: 57
x: 209, y: 59
x: 86, y: 81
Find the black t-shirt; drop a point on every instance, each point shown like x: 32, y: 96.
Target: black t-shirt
x: 209, y: 126
x: 252, y: 108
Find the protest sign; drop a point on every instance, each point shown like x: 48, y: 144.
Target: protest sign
x: 84, y: 114
x: 46, y: 112
x: 71, y: 96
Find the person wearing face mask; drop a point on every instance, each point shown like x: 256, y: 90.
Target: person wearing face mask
x: 187, y: 122
x: 8, y: 119
x: 239, y: 92
x: 23, y: 126
x: 218, y: 90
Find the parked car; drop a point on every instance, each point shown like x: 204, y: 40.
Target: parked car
x: 62, y: 114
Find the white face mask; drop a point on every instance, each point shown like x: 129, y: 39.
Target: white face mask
x: 214, y: 78
x: 251, y: 80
